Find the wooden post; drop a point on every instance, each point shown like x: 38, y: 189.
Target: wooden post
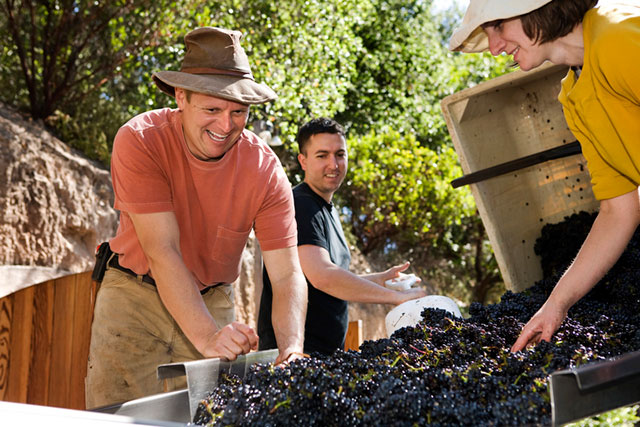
x: 355, y: 335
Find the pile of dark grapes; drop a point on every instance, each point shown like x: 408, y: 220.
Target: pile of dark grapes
x: 447, y: 371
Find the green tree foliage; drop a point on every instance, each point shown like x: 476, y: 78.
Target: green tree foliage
x: 392, y: 178
x: 61, y: 54
x: 304, y: 50
x: 398, y: 72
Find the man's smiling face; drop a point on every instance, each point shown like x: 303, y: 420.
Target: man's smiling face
x: 211, y: 125
x: 324, y: 163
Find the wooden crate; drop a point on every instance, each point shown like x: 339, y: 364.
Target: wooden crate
x: 503, y: 119
x: 44, y: 342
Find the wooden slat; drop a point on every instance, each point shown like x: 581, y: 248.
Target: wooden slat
x: 20, y: 347
x: 62, y: 348
x: 6, y: 310
x: 355, y: 334
x: 83, y: 317
x: 40, y: 360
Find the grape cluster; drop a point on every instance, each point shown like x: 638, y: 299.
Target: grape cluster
x: 447, y: 371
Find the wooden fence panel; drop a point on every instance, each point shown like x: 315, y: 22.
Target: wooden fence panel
x: 59, y: 386
x: 355, y: 334
x: 19, y: 354
x: 44, y: 342
x: 83, y: 315
x: 41, y: 345
x: 6, y: 310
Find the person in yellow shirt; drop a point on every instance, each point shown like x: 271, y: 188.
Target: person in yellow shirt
x: 601, y: 99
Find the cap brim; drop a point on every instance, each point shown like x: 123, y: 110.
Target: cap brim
x: 476, y: 41
x: 470, y: 37
x: 242, y: 90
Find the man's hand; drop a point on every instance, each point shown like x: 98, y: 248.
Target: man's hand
x: 230, y: 341
x: 388, y: 274
x: 541, y: 326
x: 285, y: 357
x: 410, y: 294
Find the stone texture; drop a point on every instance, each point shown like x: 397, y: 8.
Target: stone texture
x: 56, y: 205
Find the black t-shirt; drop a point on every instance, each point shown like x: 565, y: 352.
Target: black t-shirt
x: 327, y: 316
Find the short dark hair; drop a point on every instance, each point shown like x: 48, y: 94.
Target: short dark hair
x: 315, y: 126
x: 555, y: 19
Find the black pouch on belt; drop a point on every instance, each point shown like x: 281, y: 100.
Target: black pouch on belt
x: 103, y: 253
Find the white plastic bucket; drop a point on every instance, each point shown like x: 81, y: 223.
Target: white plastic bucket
x: 408, y: 313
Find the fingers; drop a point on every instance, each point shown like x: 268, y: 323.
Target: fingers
x: 546, y: 334
x: 532, y: 333
x: 288, y: 357
x: 232, y: 340
x: 400, y: 268
x: 393, y: 272
x: 525, y: 338
x: 540, y: 327
x: 247, y: 333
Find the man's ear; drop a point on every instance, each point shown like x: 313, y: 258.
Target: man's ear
x: 181, y: 98
x: 302, y: 159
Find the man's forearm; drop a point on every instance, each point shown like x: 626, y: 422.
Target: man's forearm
x: 289, y: 313
x: 179, y: 293
x: 348, y: 286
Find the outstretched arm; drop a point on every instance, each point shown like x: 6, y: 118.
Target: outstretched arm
x: 340, y: 283
x: 613, y: 228
x: 391, y: 273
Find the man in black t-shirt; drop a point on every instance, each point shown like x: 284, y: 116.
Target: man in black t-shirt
x: 323, y: 250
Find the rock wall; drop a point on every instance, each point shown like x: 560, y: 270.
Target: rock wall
x: 56, y: 205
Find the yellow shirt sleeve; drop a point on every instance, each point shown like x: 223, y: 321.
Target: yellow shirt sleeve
x: 602, y: 107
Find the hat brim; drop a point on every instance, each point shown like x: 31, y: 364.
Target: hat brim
x: 476, y: 41
x: 238, y: 89
x: 470, y: 37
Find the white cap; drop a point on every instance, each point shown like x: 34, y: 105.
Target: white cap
x: 470, y: 37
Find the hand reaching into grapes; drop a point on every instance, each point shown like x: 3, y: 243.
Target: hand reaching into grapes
x: 541, y: 326
x: 288, y: 357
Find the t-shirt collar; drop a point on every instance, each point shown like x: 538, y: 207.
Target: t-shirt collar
x: 321, y: 199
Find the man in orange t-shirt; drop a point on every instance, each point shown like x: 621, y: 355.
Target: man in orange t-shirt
x: 191, y: 183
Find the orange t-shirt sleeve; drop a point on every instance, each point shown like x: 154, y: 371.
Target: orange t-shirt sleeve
x: 139, y: 184
x: 275, y: 224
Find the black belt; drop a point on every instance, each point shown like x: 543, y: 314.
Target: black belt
x: 146, y: 278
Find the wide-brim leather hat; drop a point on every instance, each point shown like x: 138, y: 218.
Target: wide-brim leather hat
x: 215, y: 64
x: 470, y: 37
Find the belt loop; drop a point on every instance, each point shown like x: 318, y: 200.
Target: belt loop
x: 139, y: 277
